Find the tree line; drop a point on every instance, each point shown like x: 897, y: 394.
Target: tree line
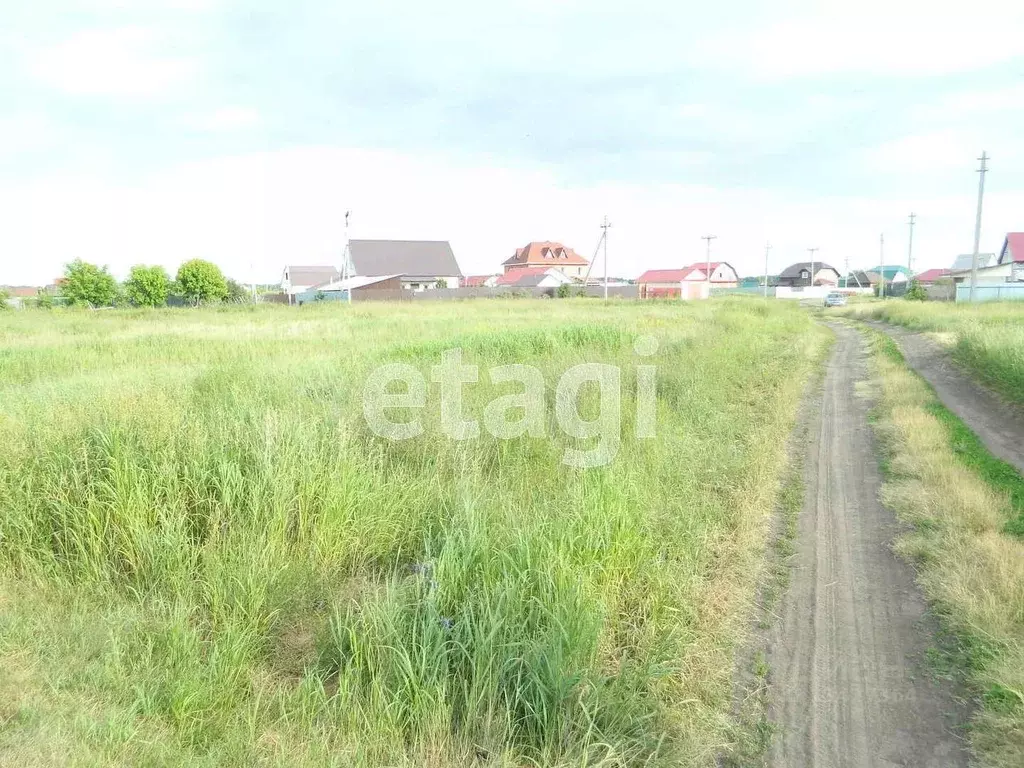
x: 197, y: 282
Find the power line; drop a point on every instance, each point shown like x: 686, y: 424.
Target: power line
x: 977, y: 222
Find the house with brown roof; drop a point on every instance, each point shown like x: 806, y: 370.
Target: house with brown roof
x: 548, y: 254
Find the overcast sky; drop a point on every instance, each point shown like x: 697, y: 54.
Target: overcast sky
x: 154, y: 131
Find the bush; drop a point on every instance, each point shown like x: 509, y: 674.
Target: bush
x: 200, y: 281
x: 147, y: 286
x: 564, y: 291
x: 87, y: 284
x: 442, y: 283
x: 44, y: 299
x: 916, y: 292
x: 4, y: 296
x: 237, y: 293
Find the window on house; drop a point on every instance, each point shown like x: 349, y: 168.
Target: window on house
x: 804, y: 274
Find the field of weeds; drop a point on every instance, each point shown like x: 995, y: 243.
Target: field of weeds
x: 987, y: 338
x: 208, y: 558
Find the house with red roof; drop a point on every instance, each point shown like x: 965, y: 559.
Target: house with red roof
x: 1013, y: 249
x: 686, y: 283
x: 547, y: 254
x: 932, y: 276
x: 480, y: 281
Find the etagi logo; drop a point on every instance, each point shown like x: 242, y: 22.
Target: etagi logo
x: 522, y: 413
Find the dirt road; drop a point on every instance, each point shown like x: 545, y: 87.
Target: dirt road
x: 999, y: 426
x: 849, y: 685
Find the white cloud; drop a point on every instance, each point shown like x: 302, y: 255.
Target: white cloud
x: 117, y: 62
x: 226, y: 119
x: 25, y: 132
x: 879, y: 37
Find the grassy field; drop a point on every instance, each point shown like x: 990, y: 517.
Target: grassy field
x: 987, y: 338
x: 966, y: 544
x: 207, y: 557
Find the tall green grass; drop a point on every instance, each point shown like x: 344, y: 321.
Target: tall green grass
x: 207, y: 558
x: 987, y: 338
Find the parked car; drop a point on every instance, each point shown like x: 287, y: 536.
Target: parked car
x: 835, y: 299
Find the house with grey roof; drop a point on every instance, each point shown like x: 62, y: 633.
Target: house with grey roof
x: 799, y: 275
x: 421, y: 264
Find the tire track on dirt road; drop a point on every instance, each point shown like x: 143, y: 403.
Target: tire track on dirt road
x: 998, y: 425
x: 848, y: 681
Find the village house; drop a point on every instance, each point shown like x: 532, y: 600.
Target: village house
x: 480, y: 281
x: 722, y: 273
x: 685, y: 283
x: 799, y: 275
x: 547, y: 254
x: 533, y: 277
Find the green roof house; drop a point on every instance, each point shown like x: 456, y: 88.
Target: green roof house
x: 893, y: 273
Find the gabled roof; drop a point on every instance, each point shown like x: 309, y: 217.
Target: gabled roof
x: 424, y: 258
x: 931, y: 275
x: 1013, y: 248
x: 529, y: 276
x: 475, y: 281
x: 666, y: 275
x: 703, y: 266
x: 544, y: 251
x: 859, y: 277
x: 890, y: 270
x: 793, y: 270
x: 963, y: 261
x: 20, y: 291
x: 311, y: 275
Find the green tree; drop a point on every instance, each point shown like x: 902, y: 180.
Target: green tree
x: 442, y: 283
x: 44, y: 299
x: 564, y: 291
x: 916, y: 292
x: 147, y: 286
x: 237, y: 293
x: 85, y: 283
x: 4, y: 296
x: 200, y: 281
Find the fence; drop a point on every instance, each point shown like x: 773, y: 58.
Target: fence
x: 999, y: 292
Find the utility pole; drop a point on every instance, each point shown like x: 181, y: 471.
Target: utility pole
x: 812, y: 251
x: 345, y: 256
x: 767, y: 247
x: 977, y: 222
x: 910, y: 247
x: 881, y: 262
x: 709, y: 238
x: 606, y: 225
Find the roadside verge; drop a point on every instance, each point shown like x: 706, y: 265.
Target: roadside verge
x: 969, y: 562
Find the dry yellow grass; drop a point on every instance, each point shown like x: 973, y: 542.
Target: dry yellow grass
x: 967, y: 565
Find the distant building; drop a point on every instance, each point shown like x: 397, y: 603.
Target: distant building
x: 686, y: 283
x: 422, y: 264
x: 799, y: 275
x: 534, y: 277
x: 722, y: 273
x: 1013, y: 249
x: 893, y: 273
x: 858, y: 278
x: 480, y: 281
x: 932, y: 276
x: 338, y: 290
x: 964, y: 261
x: 548, y: 254
x: 296, y: 280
